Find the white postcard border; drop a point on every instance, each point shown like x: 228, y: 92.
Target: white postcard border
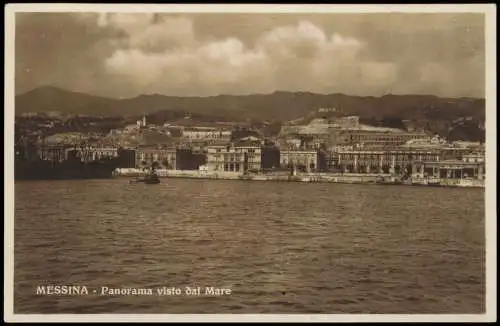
x: 490, y: 197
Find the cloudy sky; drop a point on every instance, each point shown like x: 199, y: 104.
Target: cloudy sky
x: 124, y: 55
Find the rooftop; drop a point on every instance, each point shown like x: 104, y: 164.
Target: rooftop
x: 196, y: 124
x: 381, y: 129
x: 247, y: 143
x: 454, y: 162
x: 304, y: 151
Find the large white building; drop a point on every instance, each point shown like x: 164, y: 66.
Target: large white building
x: 234, y: 158
x: 304, y: 160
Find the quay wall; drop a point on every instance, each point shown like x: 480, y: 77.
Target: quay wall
x: 300, y: 177
x: 352, y: 178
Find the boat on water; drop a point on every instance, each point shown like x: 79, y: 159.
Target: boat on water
x: 151, y: 177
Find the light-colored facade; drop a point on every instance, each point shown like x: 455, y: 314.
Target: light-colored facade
x: 233, y: 158
x: 300, y: 142
x: 54, y: 153
x: 368, y: 161
x: 304, y: 160
x: 450, y: 169
x: 349, y: 131
x: 253, y: 154
x: 379, y: 139
x: 91, y: 153
x: 206, y: 134
x: 474, y: 158
x: 164, y: 158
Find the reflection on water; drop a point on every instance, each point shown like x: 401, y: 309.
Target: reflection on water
x: 280, y: 247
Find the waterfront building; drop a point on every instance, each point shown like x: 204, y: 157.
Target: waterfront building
x: 253, y: 154
x: 83, y: 153
x: 234, y: 157
x: 449, y: 169
x: 103, y: 152
x: 56, y: 153
x: 224, y: 158
x: 302, y: 141
x: 378, y: 161
x: 301, y: 160
x: 164, y: 158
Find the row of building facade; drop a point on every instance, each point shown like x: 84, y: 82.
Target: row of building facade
x: 253, y: 157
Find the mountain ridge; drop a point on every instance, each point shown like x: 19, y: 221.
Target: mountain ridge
x: 61, y: 89
x: 427, y: 112
x: 276, y: 106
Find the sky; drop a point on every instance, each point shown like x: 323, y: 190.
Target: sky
x: 127, y: 54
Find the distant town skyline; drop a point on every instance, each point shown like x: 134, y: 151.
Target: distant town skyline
x: 124, y: 55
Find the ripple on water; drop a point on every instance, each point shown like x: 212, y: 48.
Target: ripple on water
x: 280, y: 247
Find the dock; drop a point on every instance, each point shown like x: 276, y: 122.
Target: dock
x: 348, y: 178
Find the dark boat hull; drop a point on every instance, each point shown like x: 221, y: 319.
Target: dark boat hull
x: 151, y: 182
x: 149, y: 179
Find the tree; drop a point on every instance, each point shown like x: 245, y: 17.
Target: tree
x: 155, y: 165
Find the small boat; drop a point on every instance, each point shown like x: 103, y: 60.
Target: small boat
x: 150, y: 178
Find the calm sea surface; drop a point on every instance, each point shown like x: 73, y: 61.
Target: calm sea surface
x: 280, y: 247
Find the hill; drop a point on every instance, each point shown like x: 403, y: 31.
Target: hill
x: 48, y: 98
x: 275, y: 107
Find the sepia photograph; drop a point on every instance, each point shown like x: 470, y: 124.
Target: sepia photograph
x: 225, y: 162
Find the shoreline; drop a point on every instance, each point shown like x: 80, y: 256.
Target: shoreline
x: 342, y: 178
